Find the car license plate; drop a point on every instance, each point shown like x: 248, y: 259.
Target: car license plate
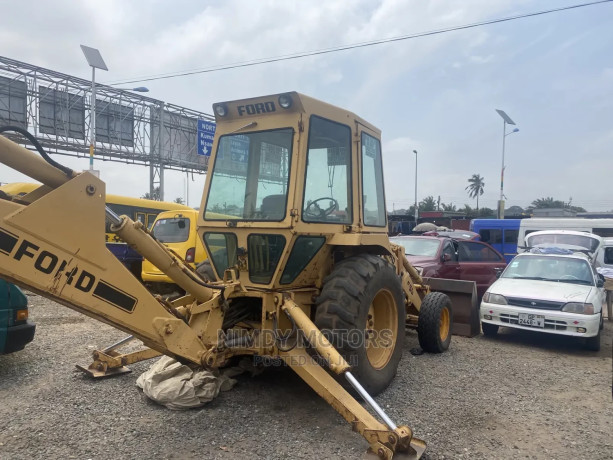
x: 528, y: 319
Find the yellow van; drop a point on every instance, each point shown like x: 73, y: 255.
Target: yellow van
x: 177, y: 230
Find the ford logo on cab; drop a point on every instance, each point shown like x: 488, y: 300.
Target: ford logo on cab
x: 253, y: 109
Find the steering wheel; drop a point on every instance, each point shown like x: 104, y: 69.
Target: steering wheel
x: 569, y: 277
x: 313, y: 209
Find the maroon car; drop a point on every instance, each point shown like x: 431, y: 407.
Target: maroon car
x: 451, y: 258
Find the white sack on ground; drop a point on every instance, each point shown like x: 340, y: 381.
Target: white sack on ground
x: 179, y: 387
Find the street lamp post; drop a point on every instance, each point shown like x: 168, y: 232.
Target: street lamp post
x: 416, y: 210
x: 505, y: 120
x: 94, y: 59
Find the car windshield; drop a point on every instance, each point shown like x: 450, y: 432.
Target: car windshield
x: 548, y: 268
x: 418, y: 246
x: 175, y: 230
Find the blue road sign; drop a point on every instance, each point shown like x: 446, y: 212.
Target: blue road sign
x: 206, y: 133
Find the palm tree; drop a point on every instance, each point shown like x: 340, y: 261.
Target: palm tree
x: 475, y: 187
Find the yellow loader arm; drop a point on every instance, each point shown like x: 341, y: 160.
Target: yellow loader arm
x: 55, y: 246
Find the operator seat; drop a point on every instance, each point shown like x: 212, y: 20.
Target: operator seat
x: 273, y: 207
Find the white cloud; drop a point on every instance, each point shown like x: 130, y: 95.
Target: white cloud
x: 436, y: 94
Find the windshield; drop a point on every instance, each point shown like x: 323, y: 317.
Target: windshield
x: 250, y: 176
x: 418, y: 246
x: 548, y: 268
x: 586, y: 242
x: 175, y: 230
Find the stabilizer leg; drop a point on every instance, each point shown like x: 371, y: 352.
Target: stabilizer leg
x: 385, y: 441
x: 109, y: 362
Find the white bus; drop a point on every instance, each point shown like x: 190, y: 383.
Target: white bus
x: 600, y: 227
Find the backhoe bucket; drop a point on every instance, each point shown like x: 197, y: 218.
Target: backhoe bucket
x: 464, y: 302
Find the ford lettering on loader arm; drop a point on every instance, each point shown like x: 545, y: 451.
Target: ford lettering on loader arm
x: 294, y: 223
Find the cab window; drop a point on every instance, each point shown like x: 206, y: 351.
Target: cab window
x: 373, y: 198
x: 327, y: 191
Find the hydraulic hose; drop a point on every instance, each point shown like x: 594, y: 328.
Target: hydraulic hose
x: 69, y: 172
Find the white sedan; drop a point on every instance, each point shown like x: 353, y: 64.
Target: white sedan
x: 550, y: 290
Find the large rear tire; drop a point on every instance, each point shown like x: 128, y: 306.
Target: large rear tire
x: 361, y: 310
x: 434, y: 323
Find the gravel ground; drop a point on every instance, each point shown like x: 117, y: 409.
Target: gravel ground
x: 521, y: 395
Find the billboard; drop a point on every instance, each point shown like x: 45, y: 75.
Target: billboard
x: 13, y: 102
x: 176, y: 140
x: 61, y: 113
x: 114, y: 123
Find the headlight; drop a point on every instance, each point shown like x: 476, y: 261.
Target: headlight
x: 578, y: 307
x: 488, y: 297
x: 285, y: 101
x: 221, y: 110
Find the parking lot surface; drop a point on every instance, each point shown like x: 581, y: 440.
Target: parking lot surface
x: 520, y: 395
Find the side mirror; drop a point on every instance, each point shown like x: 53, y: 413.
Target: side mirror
x: 599, y: 283
x: 446, y: 257
x: 498, y: 272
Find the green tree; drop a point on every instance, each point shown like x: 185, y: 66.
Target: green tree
x: 179, y: 200
x: 468, y: 210
x: 475, y: 187
x: 548, y: 202
x: 427, y: 204
x: 155, y: 196
x: 486, y: 212
x: 448, y: 207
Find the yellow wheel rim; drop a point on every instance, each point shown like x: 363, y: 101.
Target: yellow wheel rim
x: 444, y: 324
x: 381, y: 329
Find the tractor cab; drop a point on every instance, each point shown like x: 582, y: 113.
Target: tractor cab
x: 290, y: 179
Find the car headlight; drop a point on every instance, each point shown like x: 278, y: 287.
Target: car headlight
x: 494, y: 298
x: 578, y: 307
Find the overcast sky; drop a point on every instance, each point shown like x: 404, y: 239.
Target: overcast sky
x: 553, y: 75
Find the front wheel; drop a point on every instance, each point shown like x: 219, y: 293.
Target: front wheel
x: 361, y: 309
x: 434, y: 323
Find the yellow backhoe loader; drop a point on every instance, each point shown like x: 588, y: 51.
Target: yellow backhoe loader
x: 294, y: 223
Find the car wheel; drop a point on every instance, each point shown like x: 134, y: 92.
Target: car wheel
x: 489, y: 330
x: 593, y: 343
x: 434, y: 323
